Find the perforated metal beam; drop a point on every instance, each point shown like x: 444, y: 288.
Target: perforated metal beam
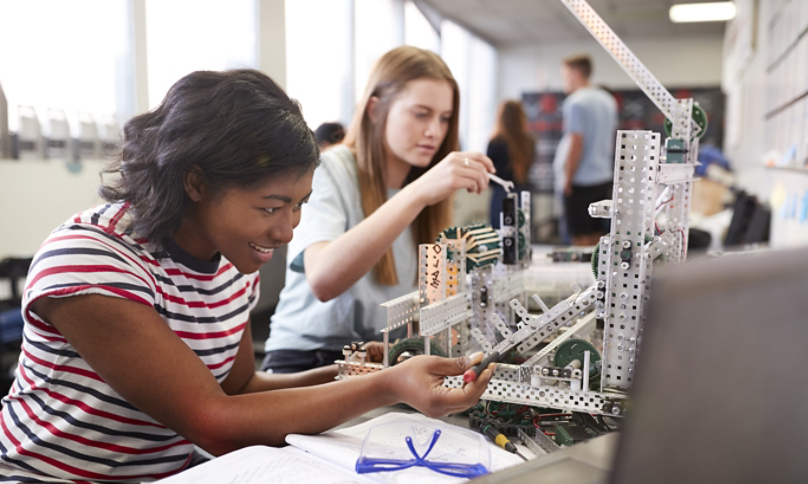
x: 650, y: 85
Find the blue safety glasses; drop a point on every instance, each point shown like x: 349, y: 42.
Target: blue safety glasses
x: 392, y: 447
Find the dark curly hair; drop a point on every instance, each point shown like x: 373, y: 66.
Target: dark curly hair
x: 235, y: 128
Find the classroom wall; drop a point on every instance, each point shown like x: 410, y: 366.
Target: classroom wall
x: 766, y: 82
x: 38, y: 196
x: 692, y: 62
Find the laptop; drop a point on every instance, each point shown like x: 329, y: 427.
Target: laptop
x: 721, y: 394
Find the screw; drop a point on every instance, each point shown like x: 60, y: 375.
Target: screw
x: 626, y: 244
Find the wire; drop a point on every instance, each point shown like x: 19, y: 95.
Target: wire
x: 663, y: 203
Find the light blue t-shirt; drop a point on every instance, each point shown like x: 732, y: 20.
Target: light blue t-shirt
x: 592, y: 113
x: 303, y: 322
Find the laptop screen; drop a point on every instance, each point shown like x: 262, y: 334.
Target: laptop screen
x: 721, y: 394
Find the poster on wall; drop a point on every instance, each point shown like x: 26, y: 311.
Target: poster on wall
x: 635, y: 111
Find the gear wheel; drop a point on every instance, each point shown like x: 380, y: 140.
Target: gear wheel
x: 573, y: 349
x: 412, y: 347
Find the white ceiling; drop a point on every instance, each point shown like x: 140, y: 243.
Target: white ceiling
x: 508, y: 22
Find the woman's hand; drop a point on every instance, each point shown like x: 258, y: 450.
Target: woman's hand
x: 458, y: 170
x: 375, y: 351
x: 418, y: 382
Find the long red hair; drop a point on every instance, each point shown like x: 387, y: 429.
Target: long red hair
x: 390, y: 76
x: 512, y: 127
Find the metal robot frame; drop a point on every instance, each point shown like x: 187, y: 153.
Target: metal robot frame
x: 487, y: 307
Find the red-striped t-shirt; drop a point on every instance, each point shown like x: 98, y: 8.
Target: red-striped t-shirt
x: 60, y: 419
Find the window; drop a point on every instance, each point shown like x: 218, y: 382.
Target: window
x: 378, y: 28
x: 183, y: 36
x: 482, y: 86
x: 319, y: 67
x: 455, y: 51
x: 473, y: 64
x: 63, y: 55
x: 418, y: 31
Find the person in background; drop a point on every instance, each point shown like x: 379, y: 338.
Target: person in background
x: 584, y: 167
x: 512, y: 150
x: 329, y: 134
x: 387, y: 188
x: 137, y: 343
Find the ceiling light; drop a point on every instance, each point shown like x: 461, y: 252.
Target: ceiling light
x: 703, y: 12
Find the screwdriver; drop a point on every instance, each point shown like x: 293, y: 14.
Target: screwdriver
x: 488, y: 429
x: 473, y: 373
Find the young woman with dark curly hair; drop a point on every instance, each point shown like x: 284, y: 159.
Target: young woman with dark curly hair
x: 137, y: 333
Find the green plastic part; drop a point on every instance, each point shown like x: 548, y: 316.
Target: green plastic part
x: 413, y: 346
x: 573, y: 349
x: 485, y: 232
x: 563, y: 437
x: 699, y: 116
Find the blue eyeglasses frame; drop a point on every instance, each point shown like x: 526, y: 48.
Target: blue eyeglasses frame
x: 365, y: 465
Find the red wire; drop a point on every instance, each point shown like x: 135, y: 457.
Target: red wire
x: 663, y: 203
